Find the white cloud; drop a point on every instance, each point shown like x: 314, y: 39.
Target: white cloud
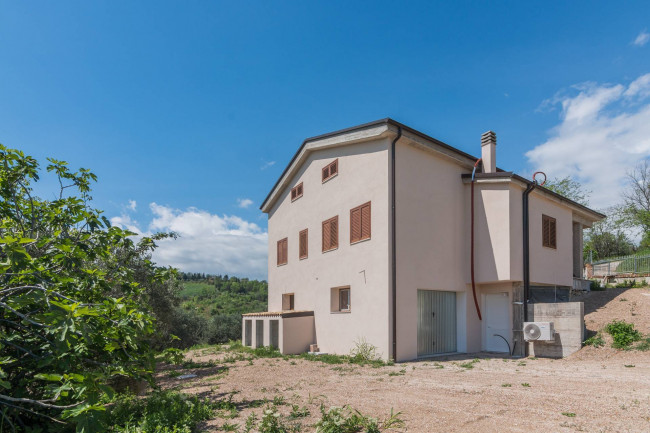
x: 207, y: 243
x: 642, y: 38
x: 267, y: 164
x: 244, y: 202
x: 604, y: 131
x: 132, y: 205
x: 126, y: 222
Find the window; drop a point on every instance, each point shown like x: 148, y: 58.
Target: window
x: 283, y: 256
x: 331, y: 170
x: 340, y: 298
x: 303, y: 247
x: 287, y: 302
x: 549, y: 232
x: 331, y: 234
x: 360, y: 223
x: 296, y: 192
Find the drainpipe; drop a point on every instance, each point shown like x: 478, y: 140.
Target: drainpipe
x: 394, y: 240
x: 526, y: 251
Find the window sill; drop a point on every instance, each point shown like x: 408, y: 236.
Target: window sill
x: 330, y: 178
x: 294, y: 199
x: 282, y: 264
x: 341, y: 312
x: 360, y: 241
x: 303, y: 258
x: 549, y: 248
x: 331, y: 249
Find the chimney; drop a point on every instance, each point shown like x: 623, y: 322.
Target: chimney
x: 488, y: 152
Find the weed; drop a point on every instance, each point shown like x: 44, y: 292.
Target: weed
x: 346, y: 419
x: 526, y: 385
x: 569, y: 414
x: 173, y: 356
x: 469, y: 365
x: 174, y: 373
x: 622, y: 299
x: 629, y: 365
x: 364, y: 352
x: 623, y: 333
x: 299, y: 412
x: 229, y: 427
x: 438, y: 365
x: 596, y: 341
x: 506, y: 385
x: 402, y: 372
x: 278, y: 400
x: 521, y: 364
x: 644, y: 345
x: 162, y: 411
x: 251, y: 421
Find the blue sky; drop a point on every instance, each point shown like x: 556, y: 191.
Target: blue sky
x: 189, y: 110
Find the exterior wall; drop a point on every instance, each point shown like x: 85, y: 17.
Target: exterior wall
x: 295, y: 334
x: 364, y: 266
x: 568, y: 320
x: 548, y: 266
x: 431, y: 231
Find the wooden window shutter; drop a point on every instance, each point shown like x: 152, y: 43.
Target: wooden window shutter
x: 334, y: 167
x: 552, y: 234
x: 334, y: 232
x: 326, y: 235
x: 360, y: 223
x: 355, y: 225
x: 303, y: 247
x: 293, y: 194
x: 283, y: 257
x: 549, y: 232
x: 326, y: 172
x: 365, y: 221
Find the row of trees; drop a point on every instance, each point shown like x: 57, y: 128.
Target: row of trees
x: 613, y: 236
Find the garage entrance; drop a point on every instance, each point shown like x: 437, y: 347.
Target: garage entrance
x: 436, y: 322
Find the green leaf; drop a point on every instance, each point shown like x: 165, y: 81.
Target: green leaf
x: 49, y: 377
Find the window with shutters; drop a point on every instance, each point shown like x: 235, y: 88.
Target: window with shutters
x: 340, y: 297
x: 331, y: 234
x: 283, y: 256
x: 288, y: 302
x: 303, y: 249
x: 360, y: 223
x: 296, y: 192
x: 549, y: 232
x: 331, y: 170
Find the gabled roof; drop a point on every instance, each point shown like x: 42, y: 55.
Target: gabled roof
x: 390, y: 122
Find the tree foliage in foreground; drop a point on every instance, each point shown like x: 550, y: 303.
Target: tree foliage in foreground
x: 72, y: 317
x: 569, y: 188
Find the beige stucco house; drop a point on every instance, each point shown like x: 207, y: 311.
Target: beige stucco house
x: 370, y: 237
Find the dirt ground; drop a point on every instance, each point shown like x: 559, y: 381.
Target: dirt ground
x: 594, y: 390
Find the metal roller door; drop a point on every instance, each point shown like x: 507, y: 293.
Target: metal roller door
x: 436, y: 322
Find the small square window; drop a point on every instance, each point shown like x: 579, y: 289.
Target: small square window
x: 330, y: 170
x: 288, y: 302
x: 549, y: 232
x: 340, y: 300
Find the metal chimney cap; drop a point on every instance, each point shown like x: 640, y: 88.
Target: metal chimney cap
x: 488, y: 137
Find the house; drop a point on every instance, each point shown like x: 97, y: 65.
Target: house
x: 370, y: 237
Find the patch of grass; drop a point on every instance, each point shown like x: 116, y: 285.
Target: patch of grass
x: 526, y: 385
x: 521, y: 364
x: 623, y: 334
x: 595, y: 341
x: 569, y: 414
x: 629, y: 365
x: 402, y: 372
x: 230, y: 427
x: 278, y: 400
x: 160, y: 412
x: 506, y: 385
x: 644, y: 345
x: 364, y: 352
x: 469, y: 365
x: 174, y: 373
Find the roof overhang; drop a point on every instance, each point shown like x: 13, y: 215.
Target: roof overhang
x: 581, y: 213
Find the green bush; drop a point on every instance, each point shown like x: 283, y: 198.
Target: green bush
x: 364, y: 352
x: 348, y: 420
x: 595, y: 286
x: 161, y: 412
x: 623, y: 333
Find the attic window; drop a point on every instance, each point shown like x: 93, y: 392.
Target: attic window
x: 549, y: 232
x: 296, y: 192
x: 331, y: 170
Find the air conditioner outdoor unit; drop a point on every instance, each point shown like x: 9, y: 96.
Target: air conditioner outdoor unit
x: 539, y: 331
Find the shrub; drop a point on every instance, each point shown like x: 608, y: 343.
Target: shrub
x: 161, y: 412
x: 595, y: 286
x: 364, y: 352
x: 348, y: 420
x: 623, y: 333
